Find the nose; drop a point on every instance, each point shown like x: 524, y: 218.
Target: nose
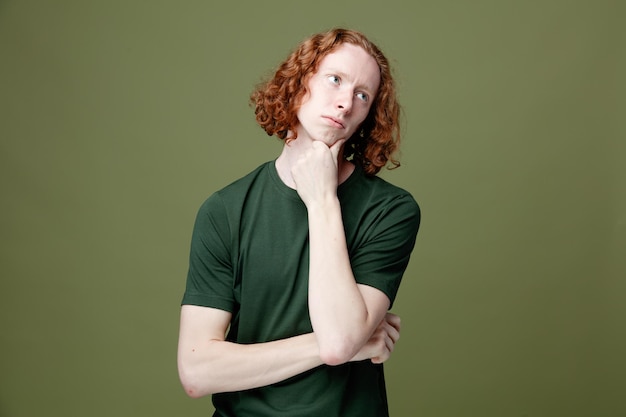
x: 344, y: 101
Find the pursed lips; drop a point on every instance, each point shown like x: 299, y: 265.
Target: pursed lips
x: 334, y: 121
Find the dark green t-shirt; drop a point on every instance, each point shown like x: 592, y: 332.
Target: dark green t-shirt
x: 250, y: 255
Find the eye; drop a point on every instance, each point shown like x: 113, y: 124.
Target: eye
x: 334, y: 79
x: 363, y: 97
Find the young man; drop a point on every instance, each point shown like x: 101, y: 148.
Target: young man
x: 294, y: 267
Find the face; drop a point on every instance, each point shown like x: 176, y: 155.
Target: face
x: 339, y: 95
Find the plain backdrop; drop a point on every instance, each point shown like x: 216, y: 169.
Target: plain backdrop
x: 118, y: 118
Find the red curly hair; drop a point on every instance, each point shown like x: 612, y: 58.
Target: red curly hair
x: 278, y: 100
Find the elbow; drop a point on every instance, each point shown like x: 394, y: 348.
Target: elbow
x: 334, y: 354
x: 193, y: 384
x: 192, y: 391
x: 190, y: 385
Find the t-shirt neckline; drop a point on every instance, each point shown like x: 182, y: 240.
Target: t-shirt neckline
x: 292, y: 193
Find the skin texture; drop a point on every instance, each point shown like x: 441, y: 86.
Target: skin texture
x: 350, y: 321
x: 340, y: 95
x: 276, y: 102
x: 343, y: 313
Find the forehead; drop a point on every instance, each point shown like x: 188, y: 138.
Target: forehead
x: 354, y: 64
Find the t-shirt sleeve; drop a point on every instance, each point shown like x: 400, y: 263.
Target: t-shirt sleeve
x: 210, y: 275
x: 381, y: 260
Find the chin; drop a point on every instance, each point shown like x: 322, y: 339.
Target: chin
x: 331, y: 142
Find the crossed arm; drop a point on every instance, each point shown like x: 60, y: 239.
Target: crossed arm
x: 208, y: 364
x: 350, y: 321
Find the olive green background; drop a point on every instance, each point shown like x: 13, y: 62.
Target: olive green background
x: 118, y: 118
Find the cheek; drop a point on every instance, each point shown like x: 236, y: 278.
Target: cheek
x: 301, y: 107
x: 362, y: 115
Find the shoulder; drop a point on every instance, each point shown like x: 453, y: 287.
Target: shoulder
x: 375, y: 190
x: 240, y: 186
x: 225, y: 200
x: 371, y: 204
x: 396, y: 203
x: 246, y: 181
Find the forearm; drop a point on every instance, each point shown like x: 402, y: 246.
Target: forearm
x: 338, y: 311
x: 219, y: 366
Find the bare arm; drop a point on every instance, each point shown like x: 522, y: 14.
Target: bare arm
x: 349, y: 322
x: 208, y: 364
x: 343, y: 313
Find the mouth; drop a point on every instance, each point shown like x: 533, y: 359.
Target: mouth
x: 334, y: 122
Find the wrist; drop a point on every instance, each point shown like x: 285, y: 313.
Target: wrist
x: 324, y: 206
